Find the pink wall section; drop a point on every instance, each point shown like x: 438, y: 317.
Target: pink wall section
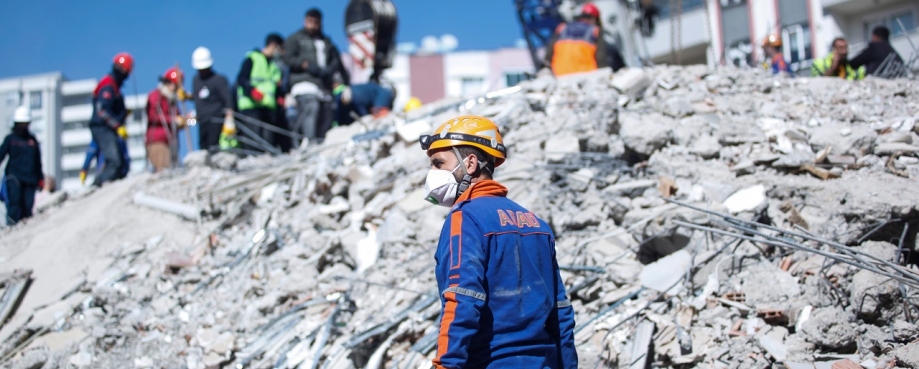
x: 507, y: 60
x: 427, y: 77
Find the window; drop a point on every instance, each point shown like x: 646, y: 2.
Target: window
x: 893, y: 22
x: 35, y: 99
x: 138, y: 115
x: 79, y: 149
x: 69, y: 126
x: 513, y: 79
x: 472, y: 86
x: 797, y: 43
x: 12, y: 99
x: 663, y: 7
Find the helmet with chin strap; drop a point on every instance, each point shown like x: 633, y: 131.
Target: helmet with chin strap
x: 468, y: 130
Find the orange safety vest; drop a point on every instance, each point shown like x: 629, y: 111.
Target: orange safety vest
x: 576, y: 48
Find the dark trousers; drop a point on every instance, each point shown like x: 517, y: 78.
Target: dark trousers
x: 20, y: 200
x: 108, y: 145
x: 314, y: 117
x: 264, y: 115
x: 209, y: 129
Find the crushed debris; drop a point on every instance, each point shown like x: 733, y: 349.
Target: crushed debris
x: 705, y: 219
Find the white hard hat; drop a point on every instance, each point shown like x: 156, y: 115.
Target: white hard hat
x: 201, y: 58
x: 22, y: 115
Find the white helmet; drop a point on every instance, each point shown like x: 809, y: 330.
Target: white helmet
x: 22, y: 115
x: 201, y: 58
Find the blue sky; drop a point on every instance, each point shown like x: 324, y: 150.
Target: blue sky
x: 80, y: 37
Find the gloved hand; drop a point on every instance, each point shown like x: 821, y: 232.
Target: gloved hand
x: 82, y: 177
x: 257, y: 95
x: 182, y: 95
x: 122, y: 132
x: 41, y: 184
x: 281, y: 101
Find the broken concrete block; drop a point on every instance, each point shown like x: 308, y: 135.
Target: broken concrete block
x: 560, y: 145
x: 870, y: 291
x: 747, y: 199
x: 645, y: 134
x: 829, y: 328
x: 631, y: 81
x: 908, y: 355
x: 663, y: 274
x: 774, y: 347
x: 893, y: 147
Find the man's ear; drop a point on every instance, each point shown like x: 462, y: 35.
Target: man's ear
x: 472, y: 164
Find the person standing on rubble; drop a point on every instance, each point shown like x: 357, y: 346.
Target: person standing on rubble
x: 772, y: 49
x: 836, y: 64
x: 578, y: 46
x: 107, y: 123
x: 164, y: 120
x: 93, y: 153
x: 23, y: 175
x: 877, y: 52
x: 313, y: 61
x: 503, y: 302
x: 213, y: 100
x: 258, y: 84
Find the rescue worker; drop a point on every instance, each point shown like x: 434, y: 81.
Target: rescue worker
x: 213, y: 101
x: 503, y: 301
x: 360, y: 100
x: 107, y: 123
x: 164, y: 120
x: 877, y: 52
x: 23, y: 171
x: 772, y: 49
x: 257, y: 92
x: 313, y: 61
x: 93, y: 153
x: 836, y: 64
x: 577, y: 46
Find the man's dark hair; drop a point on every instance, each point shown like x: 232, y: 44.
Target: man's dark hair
x: 274, y: 38
x: 314, y: 13
x: 488, y: 168
x: 835, y: 40
x: 882, y: 33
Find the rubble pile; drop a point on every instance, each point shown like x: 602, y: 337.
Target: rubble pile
x: 704, y: 219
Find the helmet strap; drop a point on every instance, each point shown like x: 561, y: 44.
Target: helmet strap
x: 467, y: 179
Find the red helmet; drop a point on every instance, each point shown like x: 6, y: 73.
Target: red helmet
x: 124, y: 61
x: 173, y: 75
x: 591, y: 10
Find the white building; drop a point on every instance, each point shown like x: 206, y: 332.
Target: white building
x: 722, y: 32
x: 60, y: 120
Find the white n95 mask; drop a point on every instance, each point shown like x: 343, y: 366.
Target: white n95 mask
x: 441, y: 187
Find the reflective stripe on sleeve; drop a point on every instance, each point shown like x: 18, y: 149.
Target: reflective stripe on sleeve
x: 467, y: 292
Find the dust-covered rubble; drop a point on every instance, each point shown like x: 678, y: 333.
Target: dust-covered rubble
x: 775, y: 221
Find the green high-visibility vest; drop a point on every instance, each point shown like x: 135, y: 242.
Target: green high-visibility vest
x: 820, y: 67
x: 265, y: 76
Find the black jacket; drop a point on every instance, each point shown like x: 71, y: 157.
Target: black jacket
x: 212, y: 95
x: 873, y: 56
x: 299, y: 48
x: 25, y: 158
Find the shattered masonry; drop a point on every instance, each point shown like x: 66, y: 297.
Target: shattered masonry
x: 705, y: 219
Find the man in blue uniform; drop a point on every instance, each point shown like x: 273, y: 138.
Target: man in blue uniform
x: 503, y: 300
x: 23, y: 171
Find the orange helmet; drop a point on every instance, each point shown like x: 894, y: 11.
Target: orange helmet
x: 774, y: 40
x: 468, y: 130
x: 123, y: 61
x: 173, y: 75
